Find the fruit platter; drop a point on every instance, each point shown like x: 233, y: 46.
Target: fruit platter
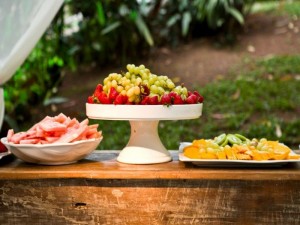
x: 143, y: 98
x: 236, y: 150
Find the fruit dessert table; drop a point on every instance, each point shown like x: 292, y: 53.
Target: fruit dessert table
x: 101, y: 190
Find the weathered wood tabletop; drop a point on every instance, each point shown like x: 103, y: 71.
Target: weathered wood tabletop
x: 100, y: 190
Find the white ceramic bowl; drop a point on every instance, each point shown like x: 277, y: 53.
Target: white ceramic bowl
x: 52, y: 154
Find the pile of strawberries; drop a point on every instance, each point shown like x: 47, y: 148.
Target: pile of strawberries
x: 172, y: 98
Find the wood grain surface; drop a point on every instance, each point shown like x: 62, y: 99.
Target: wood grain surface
x: 168, y: 193
x: 103, y: 165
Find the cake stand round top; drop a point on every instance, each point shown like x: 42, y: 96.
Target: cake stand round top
x: 143, y: 112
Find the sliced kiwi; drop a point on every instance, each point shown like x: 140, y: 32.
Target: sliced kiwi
x: 220, y: 139
x: 243, y: 138
x: 232, y: 139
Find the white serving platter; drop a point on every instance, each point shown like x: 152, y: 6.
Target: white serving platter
x: 231, y: 163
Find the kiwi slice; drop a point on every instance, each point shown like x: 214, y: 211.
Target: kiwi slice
x: 232, y: 139
x: 243, y: 138
x: 220, y: 139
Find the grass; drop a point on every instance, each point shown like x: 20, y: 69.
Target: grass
x: 291, y: 8
x: 262, y: 100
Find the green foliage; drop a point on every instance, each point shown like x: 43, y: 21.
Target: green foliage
x: 217, y: 13
x: 292, y: 8
x: 109, y: 32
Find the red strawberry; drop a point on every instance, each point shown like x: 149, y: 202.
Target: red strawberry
x: 121, y: 99
x: 98, y: 89
x: 103, y: 98
x: 166, y: 99
x: 129, y: 103
x: 145, y: 101
x: 90, y: 100
x: 172, y: 94
x: 112, y: 94
x: 192, y: 99
x: 178, y: 100
x: 153, y: 100
x: 2, y: 147
x: 200, y: 97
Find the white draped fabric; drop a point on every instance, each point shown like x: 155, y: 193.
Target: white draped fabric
x: 22, y: 23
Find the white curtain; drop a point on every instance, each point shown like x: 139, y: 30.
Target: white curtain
x: 22, y: 24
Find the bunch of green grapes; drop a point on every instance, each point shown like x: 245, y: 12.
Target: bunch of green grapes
x: 139, y: 81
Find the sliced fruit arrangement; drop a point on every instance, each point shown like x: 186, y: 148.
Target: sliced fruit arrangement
x: 238, y: 147
x: 57, y: 129
x: 141, y: 87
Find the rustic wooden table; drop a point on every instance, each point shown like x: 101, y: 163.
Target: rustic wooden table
x: 99, y: 190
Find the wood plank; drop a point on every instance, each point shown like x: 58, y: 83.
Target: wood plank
x: 103, y: 165
x: 144, y: 201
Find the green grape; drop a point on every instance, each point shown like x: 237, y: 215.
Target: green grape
x: 154, y: 89
x: 105, y: 88
x: 130, y: 68
x: 138, y: 81
x: 163, y: 83
x: 142, y: 67
x: 130, y: 92
x: 131, y: 98
x: 137, y: 90
x: 114, y: 83
x: 170, y: 85
x: 118, y: 77
x: 124, y: 92
x: 136, y: 70
x: 108, y: 84
x: 184, y: 91
x: 127, y: 75
x: 145, y: 82
x: 105, y: 80
x: 161, y: 91
x: 120, y: 89
x: 147, y: 71
x: 144, y: 75
x: 177, y: 89
x: 127, y: 87
x: 157, y: 83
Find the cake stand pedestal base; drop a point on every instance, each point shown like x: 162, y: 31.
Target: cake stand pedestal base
x: 144, y: 146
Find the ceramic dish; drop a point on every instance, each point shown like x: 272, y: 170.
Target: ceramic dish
x: 52, y: 154
x: 143, y: 112
x: 232, y: 163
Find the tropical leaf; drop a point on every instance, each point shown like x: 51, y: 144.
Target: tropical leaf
x: 100, y: 13
x: 142, y: 27
x: 110, y: 27
x: 173, y: 20
x: 186, y: 20
x: 236, y: 14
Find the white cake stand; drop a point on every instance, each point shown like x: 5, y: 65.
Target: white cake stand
x: 144, y: 146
